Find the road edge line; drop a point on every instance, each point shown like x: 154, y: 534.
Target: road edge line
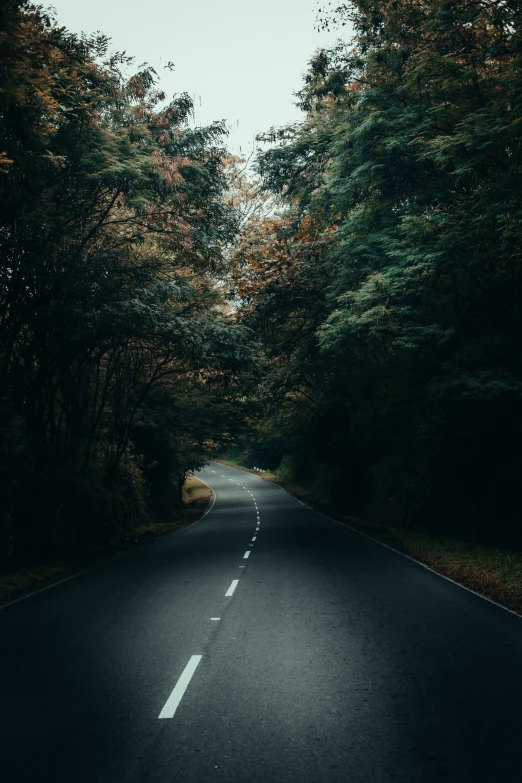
x: 392, y: 549
x: 117, y: 556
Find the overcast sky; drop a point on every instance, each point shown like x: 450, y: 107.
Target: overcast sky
x: 241, y: 61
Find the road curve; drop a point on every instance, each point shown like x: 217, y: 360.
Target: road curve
x: 265, y: 644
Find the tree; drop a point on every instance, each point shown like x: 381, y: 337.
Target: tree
x: 112, y: 230
x: 407, y: 165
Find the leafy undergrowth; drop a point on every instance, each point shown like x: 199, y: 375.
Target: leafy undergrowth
x: 495, y: 573
x: 17, y: 582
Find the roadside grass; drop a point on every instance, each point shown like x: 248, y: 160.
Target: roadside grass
x: 493, y: 572
x: 234, y: 464
x: 195, y: 491
x: 24, y: 578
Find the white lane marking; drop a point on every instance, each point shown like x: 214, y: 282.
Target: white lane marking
x: 257, y: 529
x: 223, y: 475
x: 241, y: 566
x: 232, y: 587
x: 213, y: 471
x: 397, y: 552
x: 247, y: 554
x: 209, y: 509
x: 380, y: 543
x: 172, y: 703
x: 48, y: 587
x: 215, y: 618
x: 254, y: 538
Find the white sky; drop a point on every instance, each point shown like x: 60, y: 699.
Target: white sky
x: 241, y: 61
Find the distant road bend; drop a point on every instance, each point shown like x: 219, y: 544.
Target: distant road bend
x: 264, y: 644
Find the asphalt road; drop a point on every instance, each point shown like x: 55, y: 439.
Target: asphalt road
x: 334, y: 659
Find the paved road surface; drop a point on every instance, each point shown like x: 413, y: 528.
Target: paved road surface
x: 334, y: 660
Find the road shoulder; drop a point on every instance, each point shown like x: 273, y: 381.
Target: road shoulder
x: 24, y: 580
x: 493, y: 573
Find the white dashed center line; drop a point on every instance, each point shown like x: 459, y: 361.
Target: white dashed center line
x: 231, y: 588
x: 172, y: 703
x: 254, y: 538
x: 247, y: 554
x: 215, y: 618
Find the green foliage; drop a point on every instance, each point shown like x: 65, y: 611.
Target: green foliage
x: 408, y: 166
x: 113, y: 225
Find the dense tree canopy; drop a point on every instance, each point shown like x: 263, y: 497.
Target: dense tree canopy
x: 394, y: 314
x: 113, y: 227
x: 357, y: 306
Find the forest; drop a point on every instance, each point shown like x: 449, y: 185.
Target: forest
x: 347, y: 313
